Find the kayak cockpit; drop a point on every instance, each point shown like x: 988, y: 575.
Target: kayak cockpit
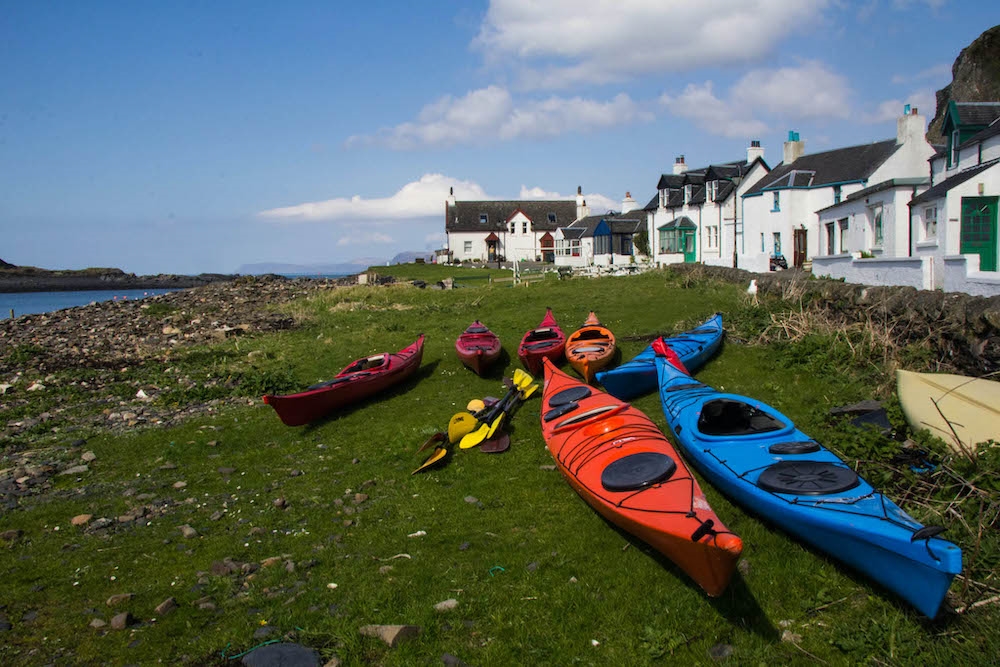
x: 729, y: 417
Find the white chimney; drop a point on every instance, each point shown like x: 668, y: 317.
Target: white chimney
x: 451, y: 196
x: 581, y: 204
x: 910, y: 126
x: 679, y: 166
x: 628, y: 204
x: 754, y: 151
x: 794, y: 147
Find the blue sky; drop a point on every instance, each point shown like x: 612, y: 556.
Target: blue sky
x: 188, y: 136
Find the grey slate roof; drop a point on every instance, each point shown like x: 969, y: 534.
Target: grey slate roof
x: 841, y: 165
x: 464, y: 215
x: 879, y: 187
x: 941, y: 188
x: 982, y: 135
x: 697, y: 178
x: 682, y: 222
x: 977, y: 113
x: 619, y: 223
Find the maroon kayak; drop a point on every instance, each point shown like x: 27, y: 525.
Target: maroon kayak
x: 358, y: 381
x: 546, y: 341
x: 478, y: 347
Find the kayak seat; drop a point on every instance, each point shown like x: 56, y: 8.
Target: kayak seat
x: 796, y: 447
x: 807, y: 478
x: 591, y: 334
x: 728, y: 417
x: 637, y: 471
x: 476, y: 330
x: 540, y: 334
x: 684, y: 387
x: 540, y: 346
x: 559, y: 411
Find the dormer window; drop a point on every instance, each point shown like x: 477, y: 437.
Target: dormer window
x: 687, y: 193
x: 711, y: 190
x: 953, y: 158
x: 777, y: 202
x: 552, y: 218
x: 483, y: 218
x: 836, y: 194
x: 663, y: 198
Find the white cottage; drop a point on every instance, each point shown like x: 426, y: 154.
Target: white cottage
x: 780, y: 216
x: 515, y: 230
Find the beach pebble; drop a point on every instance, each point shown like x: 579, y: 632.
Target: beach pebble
x: 187, y: 531
x: 446, y: 605
x: 81, y: 519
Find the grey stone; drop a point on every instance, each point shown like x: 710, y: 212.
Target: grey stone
x: 166, y: 606
x: 121, y: 621
x: 187, y: 531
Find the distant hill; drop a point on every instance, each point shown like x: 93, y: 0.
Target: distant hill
x: 975, y: 77
x: 345, y: 268
x: 410, y: 256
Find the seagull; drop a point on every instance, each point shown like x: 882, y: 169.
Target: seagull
x: 752, y: 290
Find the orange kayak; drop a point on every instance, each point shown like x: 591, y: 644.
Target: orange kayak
x: 590, y: 348
x: 624, y: 467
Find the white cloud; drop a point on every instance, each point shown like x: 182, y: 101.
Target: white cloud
x: 564, y: 43
x: 699, y: 104
x: 422, y: 198
x: 906, y: 4
x: 889, y: 110
x: 810, y: 90
x: 491, y: 114
x: 596, y: 202
x: 435, y: 239
x: 939, y: 72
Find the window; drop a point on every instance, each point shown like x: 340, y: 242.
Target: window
x: 842, y: 223
x: 777, y: 243
x: 836, y: 194
x: 602, y: 244
x: 777, y: 202
x: 930, y: 222
x: 876, y: 218
x: 831, y: 239
x: 670, y: 242
x: 711, y: 190
x: 626, y: 245
x: 568, y: 248
x: 663, y: 198
x: 552, y: 218
x: 953, y: 155
x: 513, y: 226
x: 762, y: 242
x: 524, y: 227
x: 467, y: 247
x: 687, y: 194
x: 713, y: 236
x: 483, y: 218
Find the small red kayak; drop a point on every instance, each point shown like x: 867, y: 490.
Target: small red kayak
x: 361, y: 379
x: 478, y: 347
x: 546, y: 341
x: 624, y: 467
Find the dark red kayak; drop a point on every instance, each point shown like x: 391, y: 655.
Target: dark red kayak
x: 478, y: 347
x: 546, y: 341
x: 361, y: 379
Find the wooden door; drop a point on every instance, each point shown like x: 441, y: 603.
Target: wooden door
x: 799, y: 243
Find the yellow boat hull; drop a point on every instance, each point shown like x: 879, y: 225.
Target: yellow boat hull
x: 962, y: 411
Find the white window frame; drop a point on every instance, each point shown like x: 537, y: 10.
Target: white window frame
x: 844, y: 227
x: 930, y: 223
x: 467, y: 247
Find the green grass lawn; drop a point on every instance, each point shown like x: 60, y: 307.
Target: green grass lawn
x: 539, y: 577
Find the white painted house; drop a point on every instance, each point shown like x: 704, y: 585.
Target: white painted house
x: 606, y: 240
x: 953, y: 225
x: 513, y: 230
x: 780, y: 210
x: 696, y: 214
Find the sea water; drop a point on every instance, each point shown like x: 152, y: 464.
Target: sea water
x: 29, y: 303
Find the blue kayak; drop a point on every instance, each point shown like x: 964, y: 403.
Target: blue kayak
x: 638, y: 376
x: 757, y: 456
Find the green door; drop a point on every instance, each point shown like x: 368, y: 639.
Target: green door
x: 979, y: 230
x: 688, y: 239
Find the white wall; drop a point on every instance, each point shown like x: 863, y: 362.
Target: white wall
x: 915, y: 272
x: 962, y: 274
x: 930, y: 246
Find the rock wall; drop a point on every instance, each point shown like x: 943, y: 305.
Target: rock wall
x: 975, y: 78
x: 962, y: 331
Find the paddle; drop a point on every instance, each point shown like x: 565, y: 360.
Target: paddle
x: 494, y: 418
x: 435, y: 438
x: 438, y: 454
x: 495, y: 445
x: 481, y: 430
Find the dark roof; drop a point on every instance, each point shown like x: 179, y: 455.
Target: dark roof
x: 697, y: 178
x: 977, y: 113
x: 626, y: 226
x: 879, y: 187
x: 620, y: 223
x: 941, y: 188
x: 841, y: 165
x: 464, y: 215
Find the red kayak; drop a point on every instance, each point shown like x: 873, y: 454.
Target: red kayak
x: 358, y: 381
x: 478, y: 347
x: 624, y: 467
x: 547, y: 341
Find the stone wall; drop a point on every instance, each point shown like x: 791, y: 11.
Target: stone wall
x: 963, y: 331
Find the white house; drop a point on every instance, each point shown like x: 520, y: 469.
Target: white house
x: 780, y: 210
x: 696, y: 214
x: 514, y: 230
x: 601, y: 240
x: 953, y: 225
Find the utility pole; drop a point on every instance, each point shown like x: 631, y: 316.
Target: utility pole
x: 736, y: 196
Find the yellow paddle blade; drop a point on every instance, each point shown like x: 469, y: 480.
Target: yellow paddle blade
x: 528, y: 392
x: 522, y: 379
x: 495, y: 425
x: 461, y: 424
x: 475, y: 405
x: 432, y: 459
x: 475, y: 437
x: 433, y: 440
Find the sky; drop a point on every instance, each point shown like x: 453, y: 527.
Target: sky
x: 189, y: 137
